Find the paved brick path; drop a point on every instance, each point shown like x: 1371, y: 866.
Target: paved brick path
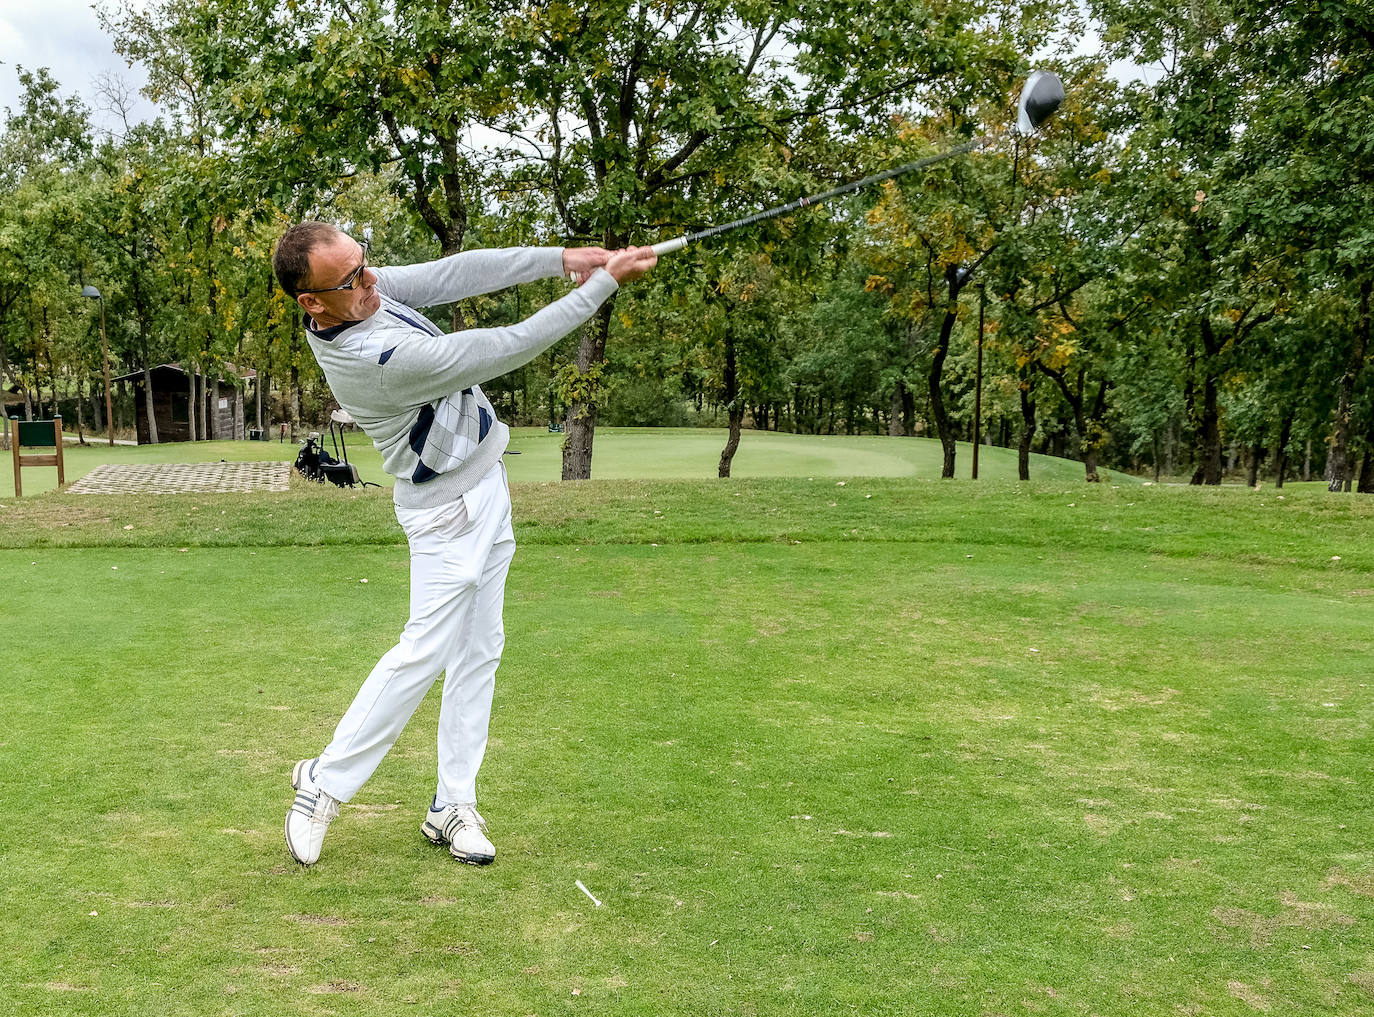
x: 183, y: 478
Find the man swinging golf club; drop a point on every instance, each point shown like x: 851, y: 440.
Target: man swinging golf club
x: 414, y: 390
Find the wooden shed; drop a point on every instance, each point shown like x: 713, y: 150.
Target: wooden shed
x: 223, y: 410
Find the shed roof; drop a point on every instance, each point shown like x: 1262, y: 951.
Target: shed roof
x: 230, y: 370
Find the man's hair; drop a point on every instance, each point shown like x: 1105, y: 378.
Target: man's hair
x: 291, y: 260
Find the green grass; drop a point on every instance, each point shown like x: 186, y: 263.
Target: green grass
x: 620, y: 453
x: 892, y: 747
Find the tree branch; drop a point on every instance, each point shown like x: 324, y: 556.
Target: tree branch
x: 428, y: 212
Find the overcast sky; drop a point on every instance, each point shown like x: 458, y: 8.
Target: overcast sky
x: 65, y: 37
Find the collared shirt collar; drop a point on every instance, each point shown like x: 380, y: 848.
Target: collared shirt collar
x: 327, y: 334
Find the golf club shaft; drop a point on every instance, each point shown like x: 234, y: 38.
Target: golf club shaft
x: 680, y: 242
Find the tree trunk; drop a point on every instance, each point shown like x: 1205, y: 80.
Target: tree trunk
x: 1090, y: 465
x: 733, y: 404
x: 937, y: 399
x: 1090, y: 431
x: 895, y: 418
x: 5, y: 373
x: 1338, y: 469
x: 191, y: 405
x: 37, y: 389
x: 148, y: 403
x: 1209, y: 468
x: 80, y: 417
x: 295, y: 382
x: 1367, y: 468
x: 732, y: 442
x: 1085, y: 418
x: 1256, y: 455
x: 141, y: 312
x: 1208, y: 419
x: 1281, y: 449
x: 580, y: 426
x: 1027, y: 429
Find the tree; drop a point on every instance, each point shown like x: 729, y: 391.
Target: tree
x: 1309, y: 173
x: 44, y: 239
x: 1211, y: 276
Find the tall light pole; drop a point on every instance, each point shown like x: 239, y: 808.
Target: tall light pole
x: 93, y: 293
x: 978, y: 384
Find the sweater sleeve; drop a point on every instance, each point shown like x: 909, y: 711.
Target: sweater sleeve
x: 468, y: 274
x: 428, y: 367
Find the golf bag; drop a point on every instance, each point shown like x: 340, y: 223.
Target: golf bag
x: 312, y: 459
x: 314, y: 463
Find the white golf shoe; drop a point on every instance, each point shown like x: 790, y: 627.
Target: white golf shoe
x: 309, y: 816
x: 463, y: 830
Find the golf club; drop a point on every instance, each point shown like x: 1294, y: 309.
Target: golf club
x: 1041, y: 96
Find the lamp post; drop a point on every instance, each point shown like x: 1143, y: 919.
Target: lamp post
x: 978, y: 383
x: 962, y: 276
x: 94, y: 294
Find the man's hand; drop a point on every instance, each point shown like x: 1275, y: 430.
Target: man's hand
x: 631, y: 263
x: 581, y: 262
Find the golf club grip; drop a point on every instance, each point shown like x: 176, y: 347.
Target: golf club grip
x: 678, y: 243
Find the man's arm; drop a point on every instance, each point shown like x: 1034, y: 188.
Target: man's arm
x: 425, y: 367
x: 468, y: 274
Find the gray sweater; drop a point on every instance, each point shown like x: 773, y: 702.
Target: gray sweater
x: 414, y: 389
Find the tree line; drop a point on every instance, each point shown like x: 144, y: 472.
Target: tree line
x: 1175, y: 275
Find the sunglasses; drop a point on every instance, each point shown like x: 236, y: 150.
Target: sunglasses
x: 354, y: 278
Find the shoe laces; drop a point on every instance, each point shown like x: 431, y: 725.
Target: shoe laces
x: 326, y: 808
x: 316, y: 805
x: 467, y: 815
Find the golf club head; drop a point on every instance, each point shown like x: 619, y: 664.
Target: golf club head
x: 1039, y: 99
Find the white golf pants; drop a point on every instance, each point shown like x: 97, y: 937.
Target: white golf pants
x: 459, y: 557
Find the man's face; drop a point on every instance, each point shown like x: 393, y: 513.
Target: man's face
x: 333, y: 265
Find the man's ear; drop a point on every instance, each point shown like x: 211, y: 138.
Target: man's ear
x: 310, y: 303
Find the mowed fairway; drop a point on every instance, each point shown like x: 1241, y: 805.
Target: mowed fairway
x: 891, y: 746
x: 620, y: 453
